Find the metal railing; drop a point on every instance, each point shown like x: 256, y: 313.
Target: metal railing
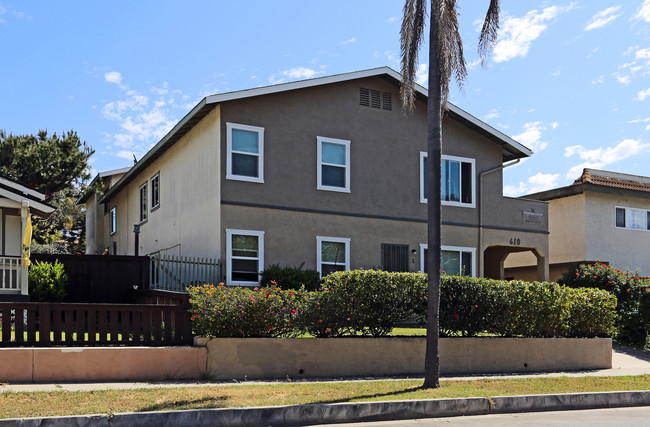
x: 176, y: 273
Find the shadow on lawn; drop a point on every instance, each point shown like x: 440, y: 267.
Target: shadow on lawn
x: 372, y: 396
x: 177, y: 405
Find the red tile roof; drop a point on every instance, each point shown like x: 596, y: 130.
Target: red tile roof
x: 614, y: 180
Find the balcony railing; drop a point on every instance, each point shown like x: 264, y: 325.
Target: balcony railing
x: 13, y: 275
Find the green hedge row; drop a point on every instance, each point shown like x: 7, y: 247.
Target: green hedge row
x: 632, y: 292
x: 367, y: 302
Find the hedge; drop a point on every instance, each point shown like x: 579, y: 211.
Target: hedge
x: 633, y: 298
x: 368, y: 302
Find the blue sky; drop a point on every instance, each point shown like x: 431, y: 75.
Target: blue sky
x: 569, y: 79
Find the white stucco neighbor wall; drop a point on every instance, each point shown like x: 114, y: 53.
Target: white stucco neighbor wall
x: 622, y: 248
x: 188, y: 219
x: 567, y: 226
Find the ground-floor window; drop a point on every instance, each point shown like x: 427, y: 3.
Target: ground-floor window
x: 245, y: 256
x: 332, y: 254
x: 394, y: 257
x: 454, y: 260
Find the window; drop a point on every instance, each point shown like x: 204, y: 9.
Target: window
x: 245, y: 256
x: 634, y: 219
x: 454, y: 260
x: 394, y: 257
x: 333, y: 164
x: 155, y: 191
x: 113, y: 221
x: 245, y: 153
x: 457, y: 180
x: 143, y: 202
x: 332, y: 254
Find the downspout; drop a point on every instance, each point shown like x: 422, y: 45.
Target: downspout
x: 480, y: 208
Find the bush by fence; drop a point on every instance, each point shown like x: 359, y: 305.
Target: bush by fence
x: 47, y: 282
x: 370, y: 302
x: 633, y: 296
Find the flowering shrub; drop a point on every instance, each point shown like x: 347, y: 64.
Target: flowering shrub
x: 472, y: 305
x: 632, y: 292
x: 221, y: 311
x: 368, y: 302
x: 290, y: 278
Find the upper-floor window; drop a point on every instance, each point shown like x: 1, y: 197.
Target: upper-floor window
x: 332, y: 254
x: 143, y: 202
x: 456, y: 179
x: 333, y: 169
x: 245, y: 157
x: 113, y: 221
x: 635, y: 219
x: 155, y: 191
x: 244, y: 256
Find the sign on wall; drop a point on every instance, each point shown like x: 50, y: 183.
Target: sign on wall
x: 532, y: 215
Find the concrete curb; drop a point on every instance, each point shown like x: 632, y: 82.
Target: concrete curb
x: 300, y: 415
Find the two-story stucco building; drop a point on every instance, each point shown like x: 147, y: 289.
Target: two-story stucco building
x: 603, y: 216
x: 327, y: 173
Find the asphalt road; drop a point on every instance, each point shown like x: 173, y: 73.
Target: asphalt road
x: 639, y: 416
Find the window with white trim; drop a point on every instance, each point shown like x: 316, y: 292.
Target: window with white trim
x: 457, y: 180
x: 454, y: 260
x: 332, y: 254
x: 333, y: 169
x: 245, y: 153
x: 155, y: 191
x: 633, y: 219
x: 143, y: 202
x: 112, y: 220
x: 244, y: 257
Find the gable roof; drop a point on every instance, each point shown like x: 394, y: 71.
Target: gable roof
x: 14, y: 190
x: 600, y: 181
x: 511, y: 148
x: 87, y: 194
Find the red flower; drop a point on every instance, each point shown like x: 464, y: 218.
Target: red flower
x: 475, y: 306
x: 268, y: 326
x: 455, y: 316
x: 577, y: 274
x: 290, y: 323
x: 595, y: 277
x: 320, y: 320
x: 274, y: 282
x: 294, y: 310
x: 252, y: 299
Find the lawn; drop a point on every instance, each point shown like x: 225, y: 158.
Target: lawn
x: 58, y: 403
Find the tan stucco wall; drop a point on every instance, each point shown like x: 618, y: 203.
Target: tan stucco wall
x: 621, y: 248
x: 101, y: 364
x: 188, y: 219
x: 253, y: 358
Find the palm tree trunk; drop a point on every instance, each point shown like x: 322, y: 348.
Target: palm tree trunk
x: 434, y: 151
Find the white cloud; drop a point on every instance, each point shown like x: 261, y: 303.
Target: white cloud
x: 556, y: 73
x: 493, y: 114
x: 531, y: 137
x: 114, y: 77
x: 297, y: 73
x: 142, y: 120
x: 643, y: 95
x: 642, y: 54
x: 621, y: 78
x: 518, y: 34
x: 393, y: 19
x: 348, y: 41
x: 603, y: 18
x: 644, y: 11
x: 598, y: 158
x: 534, y: 184
x: 600, y: 80
x: 422, y: 75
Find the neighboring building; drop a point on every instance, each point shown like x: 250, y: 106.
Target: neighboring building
x: 326, y: 173
x: 601, y: 216
x: 17, y: 201
x: 97, y: 222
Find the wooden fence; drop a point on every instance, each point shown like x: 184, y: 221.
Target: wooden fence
x: 176, y: 273
x: 78, y: 325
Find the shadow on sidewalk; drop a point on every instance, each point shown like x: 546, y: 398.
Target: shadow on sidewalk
x: 629, y: 351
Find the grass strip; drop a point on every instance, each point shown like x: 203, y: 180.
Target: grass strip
x: 60, y: 403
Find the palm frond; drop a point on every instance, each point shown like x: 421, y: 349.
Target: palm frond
x: 449, y: 45
x: 415, y: 12
x: 489, y: 31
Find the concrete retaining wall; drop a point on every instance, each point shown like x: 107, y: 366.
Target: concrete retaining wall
x: 24, y: 365
x: 258, y: 358
x: 251, y: 358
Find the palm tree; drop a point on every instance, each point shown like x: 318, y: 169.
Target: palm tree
x: 445, y: 58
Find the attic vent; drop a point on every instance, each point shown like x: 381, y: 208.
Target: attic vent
x: 375, y: 99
